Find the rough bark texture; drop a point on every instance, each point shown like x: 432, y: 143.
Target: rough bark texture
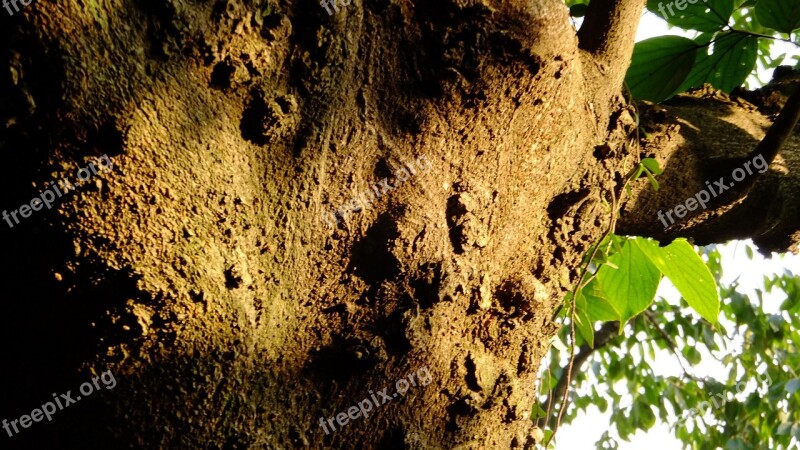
x: 204, y: 270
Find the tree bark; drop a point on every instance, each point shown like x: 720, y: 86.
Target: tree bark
x: 209, y: 271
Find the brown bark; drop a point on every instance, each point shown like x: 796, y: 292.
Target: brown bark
x: 203, y: 271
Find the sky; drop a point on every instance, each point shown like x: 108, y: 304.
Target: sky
x: 588, y: 428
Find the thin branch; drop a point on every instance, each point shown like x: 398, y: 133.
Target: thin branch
x: 766, y: 36
x: 569, y: 368
x: 602, y: 337
x: 670, y: 343
x: 781, y: 129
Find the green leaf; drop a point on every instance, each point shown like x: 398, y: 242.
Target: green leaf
x: 547, y: 435
x: 736, y: 444
x: 683, y: 266
x: 704, y: 39
x: 590, y: 307
x: 583, y: 323
x: 631, y: 288
x: 642, y: 415
x: 781, y: 15
x: 652, y: 180
x: 537, y: 411
x: 726, y: 67
x: 652, y: 165
x: 578, y: 10
x: 598, y: 307
x: 659, y: 67
x: 692, y: 355
x: 601, y: 403
x: 639, y: 172
x: 695, y: 14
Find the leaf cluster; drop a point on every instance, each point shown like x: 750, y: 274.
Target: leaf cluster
x: 732, y: 38
x: 630, y: 271
x: 755, y: 406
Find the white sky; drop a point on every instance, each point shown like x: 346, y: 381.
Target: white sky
x: 589, y: 427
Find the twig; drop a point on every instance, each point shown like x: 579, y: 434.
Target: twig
x: 579, y: 285
x: 607, y: 233
x: 603, y: 337
x: 751, y: 33
x: 671, y: 344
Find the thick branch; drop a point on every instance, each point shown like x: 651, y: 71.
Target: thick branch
x: 767, y: 148
x: 708, y: 140
x: 608, y: 33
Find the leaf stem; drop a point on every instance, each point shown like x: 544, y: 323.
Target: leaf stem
x: 766, y: 36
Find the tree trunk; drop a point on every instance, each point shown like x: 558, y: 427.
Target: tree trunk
x: 303, y: 210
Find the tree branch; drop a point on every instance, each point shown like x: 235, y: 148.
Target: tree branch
x: 767, y: 148
x: 703, y: 137
x: 608, y: 33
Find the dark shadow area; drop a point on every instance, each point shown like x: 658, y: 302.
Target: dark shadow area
x: 427, y: 285
x: 344, y: 358
x: 372, y: 258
